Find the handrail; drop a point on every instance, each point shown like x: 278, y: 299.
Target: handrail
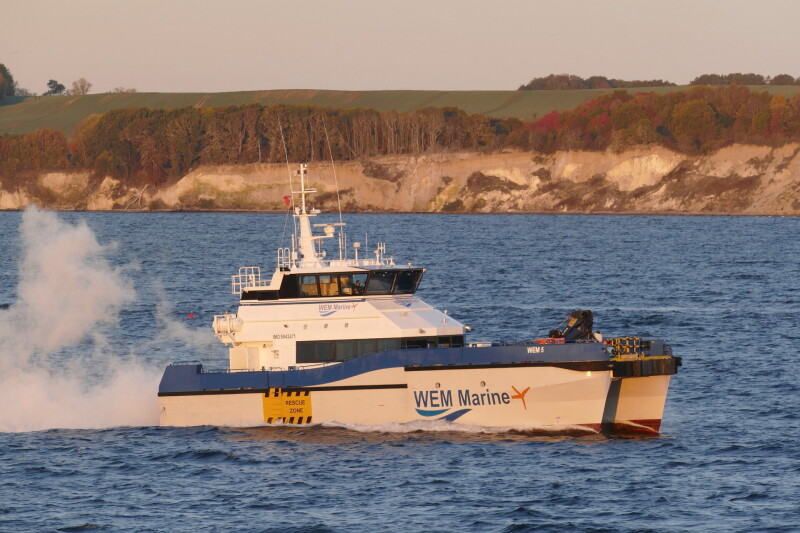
x: 286, y: 263
x: 249, y: 276
x: 284, y: 258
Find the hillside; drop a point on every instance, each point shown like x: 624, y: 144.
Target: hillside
x: 740, y: 179
x: 25, y: 115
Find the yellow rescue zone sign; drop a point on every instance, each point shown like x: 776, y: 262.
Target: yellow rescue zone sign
x: 287, y: 406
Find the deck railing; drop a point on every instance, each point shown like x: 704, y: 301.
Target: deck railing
x: 247, y: 277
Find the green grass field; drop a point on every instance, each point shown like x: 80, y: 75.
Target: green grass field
x: 23, y: 115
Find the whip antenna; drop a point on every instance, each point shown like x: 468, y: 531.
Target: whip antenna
x: 335, y: 178
x: 289, y: 170
x: 285, y: 155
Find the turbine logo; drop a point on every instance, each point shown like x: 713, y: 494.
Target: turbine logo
x: 329, y: 309
x: 520, y: 396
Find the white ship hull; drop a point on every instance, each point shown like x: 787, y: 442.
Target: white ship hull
x: 636, y: 404
x: 536, y: 398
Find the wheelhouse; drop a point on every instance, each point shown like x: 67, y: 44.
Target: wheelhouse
x: 373, y: 282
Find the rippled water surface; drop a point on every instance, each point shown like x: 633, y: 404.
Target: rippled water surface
x: 79, y: 450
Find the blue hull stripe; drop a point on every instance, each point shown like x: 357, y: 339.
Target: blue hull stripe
x: 424, y: 412
x: 190, y: 378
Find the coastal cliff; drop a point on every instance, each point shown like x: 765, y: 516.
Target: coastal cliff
x: 740, y: 179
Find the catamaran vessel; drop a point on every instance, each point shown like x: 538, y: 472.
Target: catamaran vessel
x: 347, y: 340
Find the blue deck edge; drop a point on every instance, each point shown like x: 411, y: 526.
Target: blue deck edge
x: 191, y: 377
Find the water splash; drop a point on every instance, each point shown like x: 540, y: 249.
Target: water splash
x: 68, y: 293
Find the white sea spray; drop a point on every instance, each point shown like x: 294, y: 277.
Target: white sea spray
x: 57, y: 369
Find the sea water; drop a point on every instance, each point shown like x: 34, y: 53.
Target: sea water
x: 93, y: 305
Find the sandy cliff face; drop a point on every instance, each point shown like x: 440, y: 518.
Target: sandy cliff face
x: 752, y: 180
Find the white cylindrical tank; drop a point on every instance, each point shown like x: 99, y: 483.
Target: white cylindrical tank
x: 227, y: 324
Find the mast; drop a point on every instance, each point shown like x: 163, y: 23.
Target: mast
x: 304, y: 242
x: 308, y: 252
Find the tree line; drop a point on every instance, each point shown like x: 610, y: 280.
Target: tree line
x: 744, y: 79
x: 156, y: 144
x: 559, y: 82
x: 9, y: 87
x: 698, y: 120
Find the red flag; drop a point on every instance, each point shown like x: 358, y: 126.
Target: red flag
x: 287, y: 200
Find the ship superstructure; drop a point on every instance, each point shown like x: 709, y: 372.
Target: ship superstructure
x: 315, y: 310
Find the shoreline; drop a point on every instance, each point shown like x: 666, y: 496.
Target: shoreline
x: 741, y: 180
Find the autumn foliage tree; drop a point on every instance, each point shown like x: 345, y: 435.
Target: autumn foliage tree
x: 783, y: 79
x: 7, y: 84
x: 43, y: 150
x: 698, y: 120
x: 80, y: 87
x: 694, y: 123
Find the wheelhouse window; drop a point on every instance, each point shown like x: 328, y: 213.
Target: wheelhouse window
x: 308, y: 286
x: 377, y: 282
x: 354, y: 283
x: 407, y: 281
x: 329, y: 285
x: 381, y: 282
x: 346, y: 284
x: 290, y: 287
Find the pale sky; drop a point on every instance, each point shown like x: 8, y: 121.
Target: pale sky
x: 238, y: 45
